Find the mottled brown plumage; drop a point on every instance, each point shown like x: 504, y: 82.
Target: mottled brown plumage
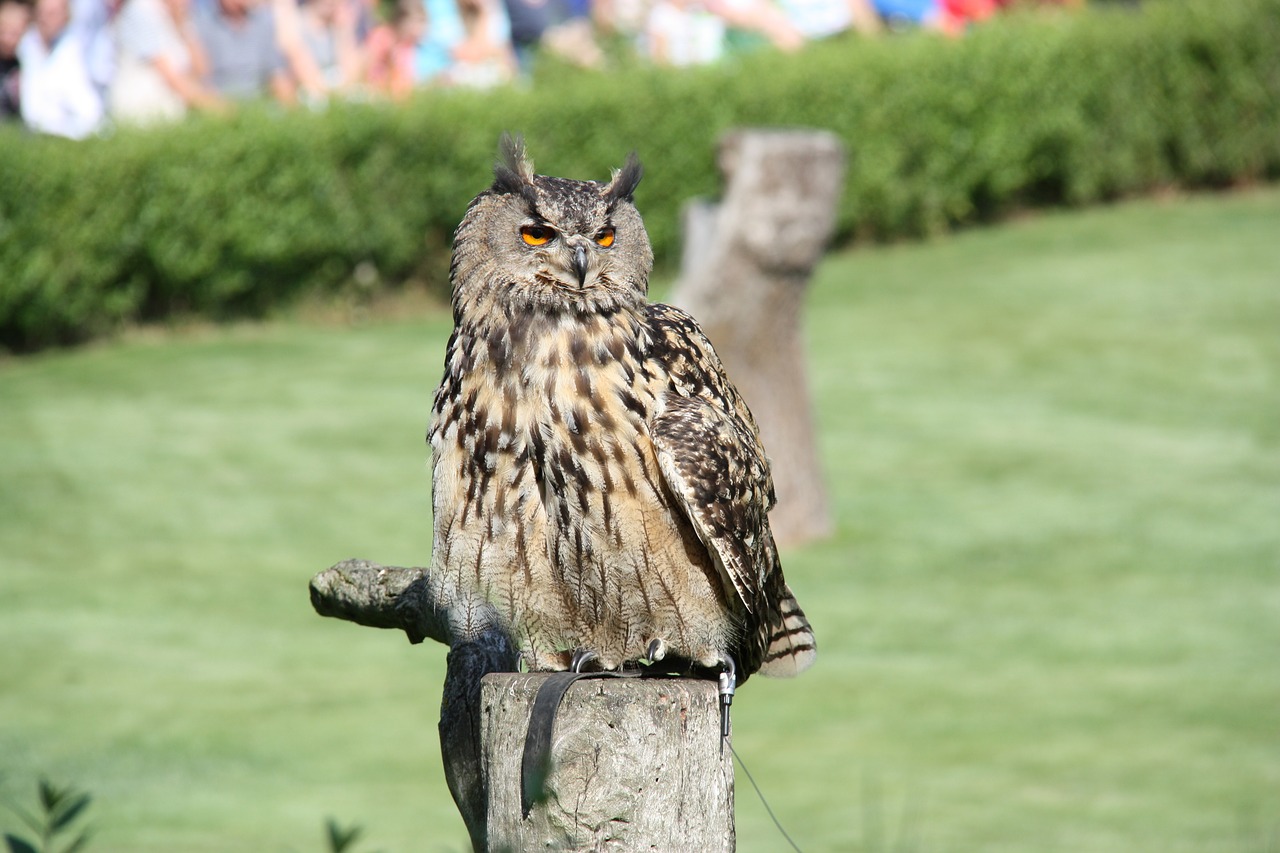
x: 598, y: 483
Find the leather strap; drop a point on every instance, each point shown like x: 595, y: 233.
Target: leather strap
x: 535, y: 766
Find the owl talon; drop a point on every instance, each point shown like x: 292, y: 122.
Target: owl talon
x: 581, y: 658
x: 657, y: 651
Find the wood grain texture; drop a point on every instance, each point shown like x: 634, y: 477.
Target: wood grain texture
x: 637, y: 765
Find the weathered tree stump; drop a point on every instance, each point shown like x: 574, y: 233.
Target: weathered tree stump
x: 744, y: 275
x: 636, y: 764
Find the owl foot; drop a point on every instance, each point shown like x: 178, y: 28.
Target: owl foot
x: 657, y: 651
x: 581, y: 657
x: 728, y: 683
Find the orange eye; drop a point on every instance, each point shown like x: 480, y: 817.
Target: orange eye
x: 537, y: 235
x: 605, y: 237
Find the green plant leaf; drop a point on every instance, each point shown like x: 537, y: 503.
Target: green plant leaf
x: 78, y: 844
x: 69, y: 811
x: 341, y: 839
x: 50, y: 795
x: 17, y: 845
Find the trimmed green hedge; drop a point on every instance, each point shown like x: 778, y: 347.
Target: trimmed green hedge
x: 229, y: 217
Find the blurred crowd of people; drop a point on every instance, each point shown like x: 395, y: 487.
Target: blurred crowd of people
x: 73, y: 67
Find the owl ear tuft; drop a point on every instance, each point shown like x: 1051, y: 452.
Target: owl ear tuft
x: 513, y: 173
x: 625, y: 180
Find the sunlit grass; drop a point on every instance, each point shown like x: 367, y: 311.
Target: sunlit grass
x: 1050, y: 619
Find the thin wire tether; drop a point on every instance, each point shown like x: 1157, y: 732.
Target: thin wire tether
x: 760, y: 794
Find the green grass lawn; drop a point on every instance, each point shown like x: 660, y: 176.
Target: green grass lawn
x: 1050, y: 619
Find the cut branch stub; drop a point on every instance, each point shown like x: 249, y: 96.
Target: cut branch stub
x: 378, y: 596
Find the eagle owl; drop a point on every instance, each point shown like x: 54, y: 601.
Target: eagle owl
x: 597, y: 482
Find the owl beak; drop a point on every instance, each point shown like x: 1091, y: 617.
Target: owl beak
x: 580, y: 264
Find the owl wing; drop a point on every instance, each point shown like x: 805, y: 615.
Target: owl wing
x: 710, y: 454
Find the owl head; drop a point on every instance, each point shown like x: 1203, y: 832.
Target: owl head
x: 532, y: 243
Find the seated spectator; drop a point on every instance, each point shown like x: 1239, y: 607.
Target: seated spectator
x: 245, y: 62
x: 625, y: 19
x: 819, y: 19
x: 91, y: 19
x: 329, y: 33
x: 563, y: 27
x: 749, y: 24
x: 160, y: 64
x: 321, y: 43
x: 485, y: 57
x: 468, y: 44
x: 958, y: 15
x: 391, y: 48
x: 684, y: 32
x: 970, y: 10
x: 753, y: 22
x: 529, y: 20
x: 14, y: 17
x: 56, y: 92
x: 574, y: 40
x: 928, y: 14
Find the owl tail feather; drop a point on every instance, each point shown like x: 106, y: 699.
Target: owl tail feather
x: 791, y: 648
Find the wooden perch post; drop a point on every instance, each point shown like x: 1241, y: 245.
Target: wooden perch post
x: 636, y: 764
x: 744, y: 275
